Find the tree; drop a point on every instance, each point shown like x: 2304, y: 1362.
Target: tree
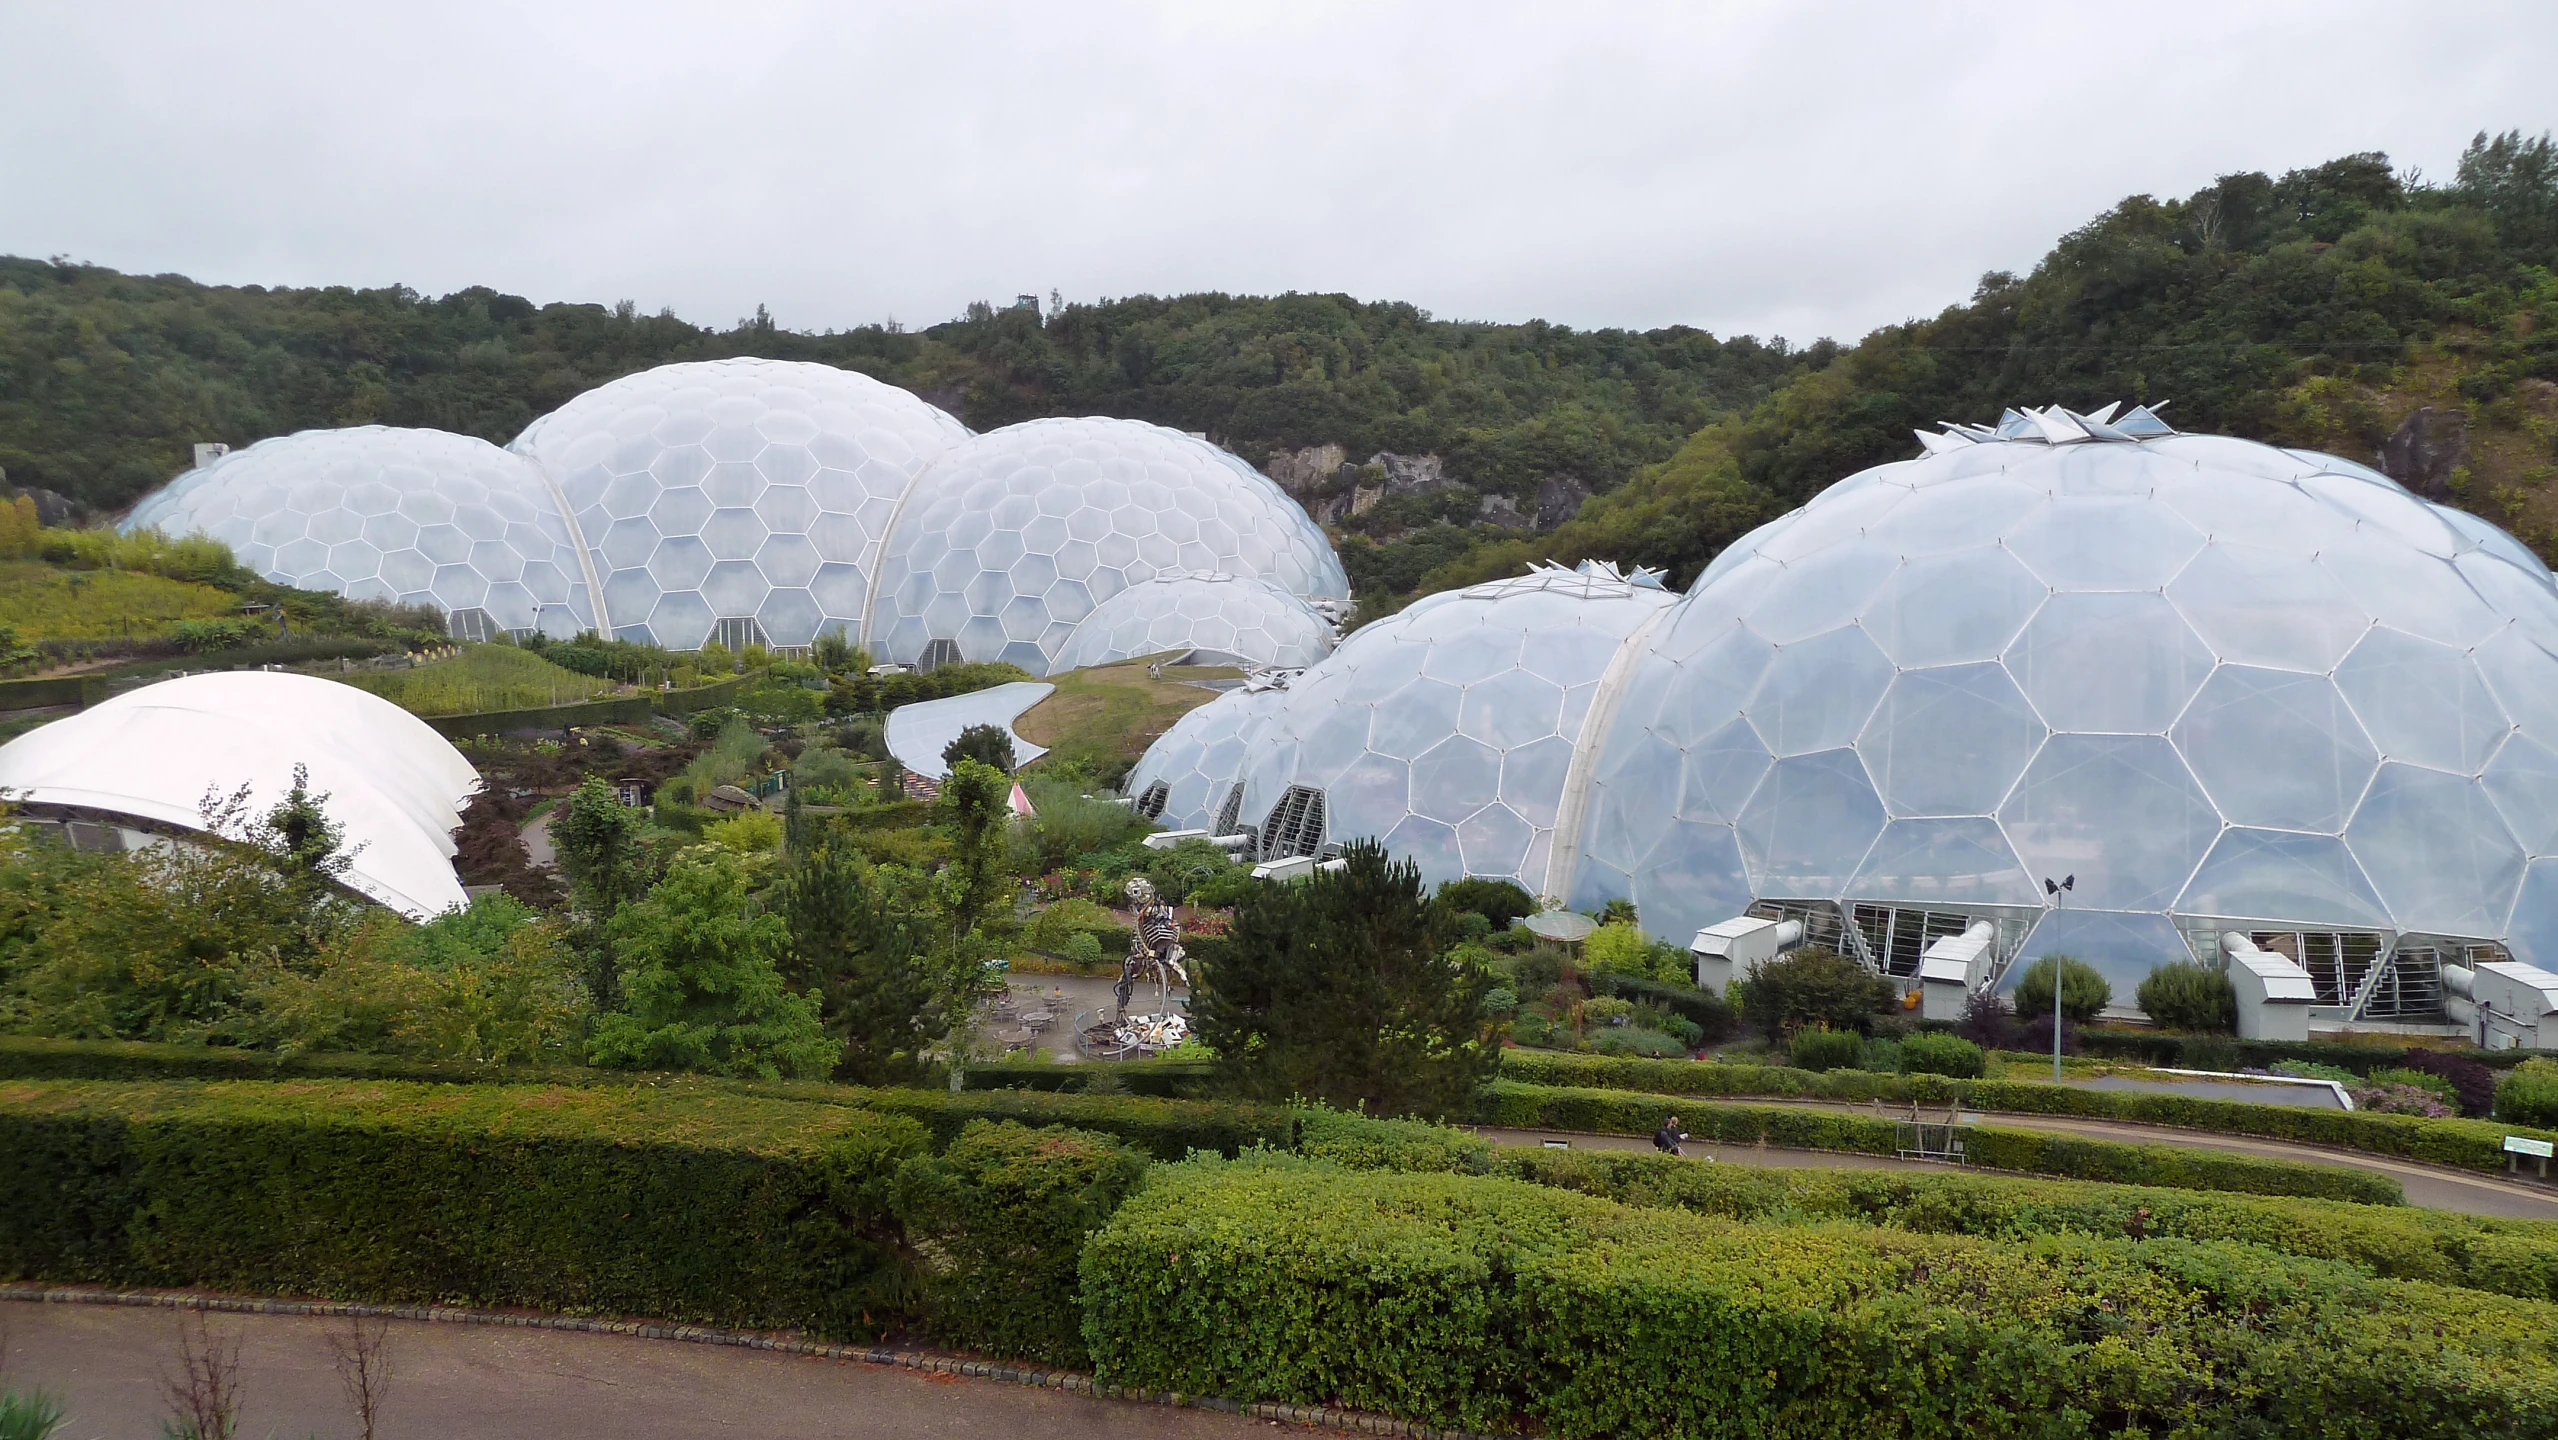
x: 1335, y: 988
x: 975, y: 807
x: 1499, y: 901
x: 701, y: 977
x: 597, y: 839
x: 1812, y: 987
x: 864, y: 957
x: 985, y: 744
x: 2185, y: 996
x: 2083, y: 991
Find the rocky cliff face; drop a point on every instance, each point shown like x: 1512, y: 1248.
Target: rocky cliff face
x: 1333, y: 488
x: 2422, y: 452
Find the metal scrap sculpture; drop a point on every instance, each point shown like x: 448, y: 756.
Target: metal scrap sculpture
x: 1154, y: 954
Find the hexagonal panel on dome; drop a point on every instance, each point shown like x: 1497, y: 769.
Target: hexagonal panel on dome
x: 781, y: 466
x: 422, y: 517
x: 1117, y: 503
x: 1234, y: 618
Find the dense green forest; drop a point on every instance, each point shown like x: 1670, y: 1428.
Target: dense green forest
x: 2320, y: 308
x: 107, y: 379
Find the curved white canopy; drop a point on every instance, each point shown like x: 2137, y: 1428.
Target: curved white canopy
x: 156, y: 753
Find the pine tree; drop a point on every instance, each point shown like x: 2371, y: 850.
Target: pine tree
x: 1337, y: 988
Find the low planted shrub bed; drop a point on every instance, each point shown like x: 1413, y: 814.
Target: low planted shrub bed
x: 2504, y: 1257
x: 2465, y: 1144
x: 1495, y: 1305
x: 1623, y: 1112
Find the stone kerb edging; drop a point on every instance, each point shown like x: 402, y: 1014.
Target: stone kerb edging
x: 784, y: 1343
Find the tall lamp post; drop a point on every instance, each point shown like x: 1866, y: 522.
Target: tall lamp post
x: 2055, y: 888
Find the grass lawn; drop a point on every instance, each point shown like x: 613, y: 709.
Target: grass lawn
x: 1109, y: 714
x: 481, y: 678
x: 46, y: 603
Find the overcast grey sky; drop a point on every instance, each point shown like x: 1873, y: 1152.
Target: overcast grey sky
x: 1796, y: 169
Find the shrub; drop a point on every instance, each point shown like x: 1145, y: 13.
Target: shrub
x: 1635, y: 1040
x: 1821, y: 1048
x: 1606, y: 1010
x: 2037, y: 1152
x: 1813, y: 987
x: 2402, y: 1100
x: 1001, y: 1216
x: 2505, y: 1257
x: 2083, y: 992
x: 2312, y: 1070
x: 2472, y: 1084
x: 985, y: 744
x: 2432, y: 1084
x: 2528, y: 1095
x: 1701, y: 1008
x: 581, y: 1200
x: 1500, y: 1001
x: 1881, y: 1054
x: 1932, y: 1052
x: 2186, y: 996
x: 1471, y: 1302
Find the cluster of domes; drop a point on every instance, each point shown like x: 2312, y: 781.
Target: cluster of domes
x: 766, y: 501
x: 2224, y: 686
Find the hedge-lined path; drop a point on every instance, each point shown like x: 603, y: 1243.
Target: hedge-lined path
x: 467, y: 1380
x: 2432, y: 1187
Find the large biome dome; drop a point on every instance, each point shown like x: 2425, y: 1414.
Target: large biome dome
x: 1008, y: 541
x: 422, y: 517
x: 1191, y: 778
x: 1447, y: 730
x: 742, y: 500
x: 2223, y: 685
x: 1226, y: 619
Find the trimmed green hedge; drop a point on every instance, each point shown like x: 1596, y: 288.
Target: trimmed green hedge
x: 2464, y: 1144
x: 2036, y: 1152
x: 1474, y: 1302
x: 1166, y: 1129
x: 625, y: 710
x: 2503, y: 1257
x: 2175, y: 1050
x: 717, y: 1208
x: 1170, y: 1079
x: 1000, y: 1218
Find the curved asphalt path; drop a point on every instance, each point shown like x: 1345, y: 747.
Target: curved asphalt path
x: 2432, y: 1187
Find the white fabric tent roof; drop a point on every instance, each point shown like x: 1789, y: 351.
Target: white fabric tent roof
x: 154, y: 754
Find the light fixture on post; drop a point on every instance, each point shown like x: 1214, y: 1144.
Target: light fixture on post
x: 2054, y: 889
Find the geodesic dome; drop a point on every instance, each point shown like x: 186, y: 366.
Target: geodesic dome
x: 1246, y: 620
x: 1009, y: 540
x: 2223, y: 685
x: 377, y: 513
x: 1447, y: 730
x: 1191, y: 778
x: 742, y: 500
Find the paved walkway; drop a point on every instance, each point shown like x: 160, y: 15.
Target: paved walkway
x: 458, y: 1382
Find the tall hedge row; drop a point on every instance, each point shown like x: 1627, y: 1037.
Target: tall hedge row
x: 712, y: 1208
x: 2466, y: 1144
x: 1476, y: 1302
x: 1625, y: 1112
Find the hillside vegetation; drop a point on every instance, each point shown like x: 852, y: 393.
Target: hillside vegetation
x: 107, y: 379
x: 2323, y: 309
x: 480, y: 679
x: 2326, y: 307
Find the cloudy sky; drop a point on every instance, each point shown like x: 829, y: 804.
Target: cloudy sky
x: 1795, y: 169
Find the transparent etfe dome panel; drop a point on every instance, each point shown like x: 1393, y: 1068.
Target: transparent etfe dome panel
x: 421, y: 517
x: 736, y: 499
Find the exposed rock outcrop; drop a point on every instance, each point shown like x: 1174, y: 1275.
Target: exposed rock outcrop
x: 2425, y: 448
x: 1559, y: 498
